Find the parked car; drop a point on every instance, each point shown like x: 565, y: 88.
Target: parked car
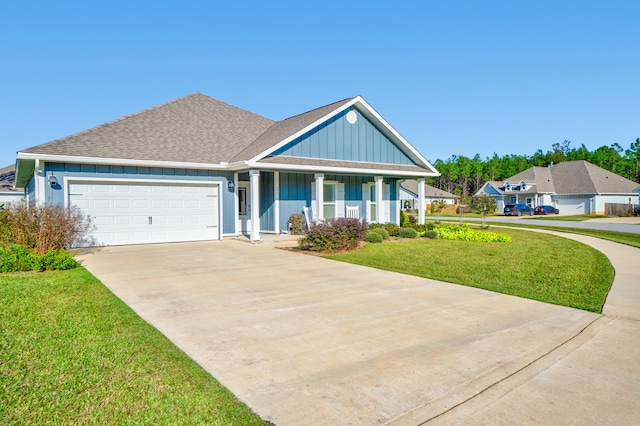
x: 517, y: 210
x: 545, y: 210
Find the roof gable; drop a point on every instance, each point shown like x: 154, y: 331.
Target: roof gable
x: 332, y: 137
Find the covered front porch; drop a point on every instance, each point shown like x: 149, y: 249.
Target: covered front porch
x: 265, y: 200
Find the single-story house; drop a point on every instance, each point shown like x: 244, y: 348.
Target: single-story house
x: 8, y: 191
x: 199, y: 169
x: 409, y: 194
x: 573, y: 187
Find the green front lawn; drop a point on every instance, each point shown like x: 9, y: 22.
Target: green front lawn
x: 71, y: 352
x: 536, y: 266
x: 617, y: 237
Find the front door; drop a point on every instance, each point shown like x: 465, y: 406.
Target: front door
x: 244, y: 207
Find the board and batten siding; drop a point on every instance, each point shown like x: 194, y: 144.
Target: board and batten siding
x: 267, y: 208
x: 337, y: 139
x: 295, y: 193
x: 139, y: 174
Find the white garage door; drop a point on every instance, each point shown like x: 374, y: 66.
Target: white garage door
x: 571, y: 204
x: 126, y: 213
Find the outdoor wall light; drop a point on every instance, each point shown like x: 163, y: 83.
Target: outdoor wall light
x: 53, y: 181
x: 230, y: 185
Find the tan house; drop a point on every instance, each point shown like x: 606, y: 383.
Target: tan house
x: 409, y: 194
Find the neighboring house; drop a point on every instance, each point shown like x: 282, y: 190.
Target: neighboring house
x: 573, y: 187
x: 199, y: 169
x: 8, y: 192
x: 409, y: 194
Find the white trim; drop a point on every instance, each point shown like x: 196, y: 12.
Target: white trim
x: 120, y: 161
x: 379, y: 200
x: 276, y: 201
x: 421, y: 202
x: 66, y: 180
x: 319, y: 207
x: 254, y: 181
x: 40, y: 182
x: 333, y: 169
x: 236, y: 204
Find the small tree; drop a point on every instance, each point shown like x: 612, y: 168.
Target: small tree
x: 462, y: 201
x: 484, y: 205
x: 437, y: 206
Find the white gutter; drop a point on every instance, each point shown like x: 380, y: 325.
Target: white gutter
x: 120, y: 161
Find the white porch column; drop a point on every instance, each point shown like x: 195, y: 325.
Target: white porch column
x: 276, y: 201
x: 236, y: 205
x: 379, y: 204
x: 254, y: 179
x: 319, y: 197
x: 421, y: 204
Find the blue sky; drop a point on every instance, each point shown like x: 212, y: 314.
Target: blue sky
x: 453, y: 77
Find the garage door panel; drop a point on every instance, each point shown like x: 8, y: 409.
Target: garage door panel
x: 121, y: 204
x: 122, y: 212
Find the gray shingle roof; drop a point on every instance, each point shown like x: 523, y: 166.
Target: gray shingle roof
x: 7, y: 179
x: 195, y: 128
x: 429, y: 191
x: 571, y: 177
x: 582, y: 177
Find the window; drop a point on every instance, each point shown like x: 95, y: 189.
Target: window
x: 329, y: 201
x: 242, y: 200
x: 372, y: 203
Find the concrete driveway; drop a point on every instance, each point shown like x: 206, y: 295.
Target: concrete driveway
x: 304, y: 340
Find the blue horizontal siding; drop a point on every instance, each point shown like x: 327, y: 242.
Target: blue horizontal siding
x: 337, y: 139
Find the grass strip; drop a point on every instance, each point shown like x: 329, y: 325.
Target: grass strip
x: 535, y: 266
x: 617, y: 237
x: 71, y: 352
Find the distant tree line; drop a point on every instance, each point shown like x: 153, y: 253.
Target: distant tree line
x: 465, y: 176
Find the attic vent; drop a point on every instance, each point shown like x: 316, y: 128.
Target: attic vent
x: 352, y: 117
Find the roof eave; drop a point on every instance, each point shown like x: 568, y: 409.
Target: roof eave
x: 338, y: 170
x: 119, y: 161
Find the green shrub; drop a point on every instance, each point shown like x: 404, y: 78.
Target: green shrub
x: 374, y: 236
x: 8, y: 261
x: 431, y: 234
x: 18, y: 258
x: 383, y: 233
x: 404, y: 218
x: 298, y: 223
x: 26, y: 260
x: 334, y: 235
x: 391, y: 228
x: 407, y: 233
x: 58, y: 260
x: 464, y: 233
